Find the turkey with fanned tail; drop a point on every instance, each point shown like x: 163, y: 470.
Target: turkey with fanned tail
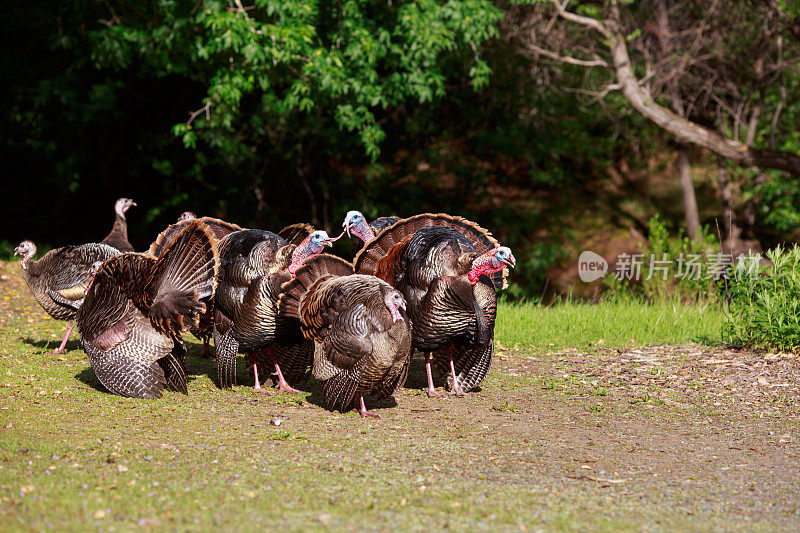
x: 360, y: 328
x: 448, y: 270
x: 58, y: 280
x: 219, y: 229
x: 136, y: 308
x: 254, y: 265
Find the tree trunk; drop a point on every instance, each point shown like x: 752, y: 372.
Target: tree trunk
x: 732, y: 230
x: 687, y: 189
x: 750, y: 206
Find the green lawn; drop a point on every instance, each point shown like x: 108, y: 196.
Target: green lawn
x: 573, y: 324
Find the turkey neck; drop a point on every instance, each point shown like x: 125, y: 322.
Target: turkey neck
x: 120, y: 227
x: 485, y: 305
x: 32, y: 269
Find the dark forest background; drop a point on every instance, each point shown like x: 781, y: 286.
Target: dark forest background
x: 518, y: 116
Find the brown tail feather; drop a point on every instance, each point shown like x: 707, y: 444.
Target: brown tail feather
x: 185, y: 273
x: 312, y: 270
x: 393, y: 263
x: 219, y: 229
x: 296, y: 233
x: 368, y: 258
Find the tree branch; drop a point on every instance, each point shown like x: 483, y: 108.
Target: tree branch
x: 566, y: 59
x: 583, y: 21
x: 682, y: 129
x: 206, y: 108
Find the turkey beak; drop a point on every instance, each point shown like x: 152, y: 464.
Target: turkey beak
x: 511, y: 261
x: 402, y: 305
x: 346, y: 227
x: 18, y: 250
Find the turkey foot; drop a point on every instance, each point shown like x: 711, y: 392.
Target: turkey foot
x: 257, y: 387
x: 431, y: 390
x: 61, y: 348
x: 282, y: 385
x: 358, y: 405
x: 456, y: 389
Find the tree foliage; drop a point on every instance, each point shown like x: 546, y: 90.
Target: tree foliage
x: 276, y: 112
x: 345, y: 63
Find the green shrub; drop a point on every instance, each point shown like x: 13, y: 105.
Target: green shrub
x: 764, y: 308
x: 668, y: 277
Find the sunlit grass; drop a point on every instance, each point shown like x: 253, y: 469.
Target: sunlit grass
x: 606, y: 324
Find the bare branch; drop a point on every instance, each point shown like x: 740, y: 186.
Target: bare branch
x: 205, y: 109
x: 583, y: 21
x: 566, y: 59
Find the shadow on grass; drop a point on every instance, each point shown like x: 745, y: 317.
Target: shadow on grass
x: 51, y: 345
x: 88, y: 377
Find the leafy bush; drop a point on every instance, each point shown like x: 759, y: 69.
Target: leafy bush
x: 674, y: 268
x: 764, y: 309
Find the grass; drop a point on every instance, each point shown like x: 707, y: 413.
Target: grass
x: 572, y: 324
x: 73, y: 457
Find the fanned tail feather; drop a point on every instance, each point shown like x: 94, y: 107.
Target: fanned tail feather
x: 191, y: 262
x: 314, y: 269
x: 368, y: 258
x: 185, y: 273
x: 219, y: 229
x: 296, y: 233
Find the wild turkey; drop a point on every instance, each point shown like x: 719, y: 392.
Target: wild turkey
x: 136, y: 308
x: 360, y: 328
x: 448, y: 269
x: 59, y: 279
x: 255, y: 263
x: 355, y: 222
x: 118, y: 237
x: 219, y: 229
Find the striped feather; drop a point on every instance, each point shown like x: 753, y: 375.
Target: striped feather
x: 296, y: 233
x: 323, y: 265
x: 219, y: 228
x: 366, y: 260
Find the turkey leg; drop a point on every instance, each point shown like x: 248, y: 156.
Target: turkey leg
x: 431, y: 390
x: 282, y: 385
x: 257, y: 387
x: 358, y: 405
x: 456, y: 388
x: 61, y: 349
